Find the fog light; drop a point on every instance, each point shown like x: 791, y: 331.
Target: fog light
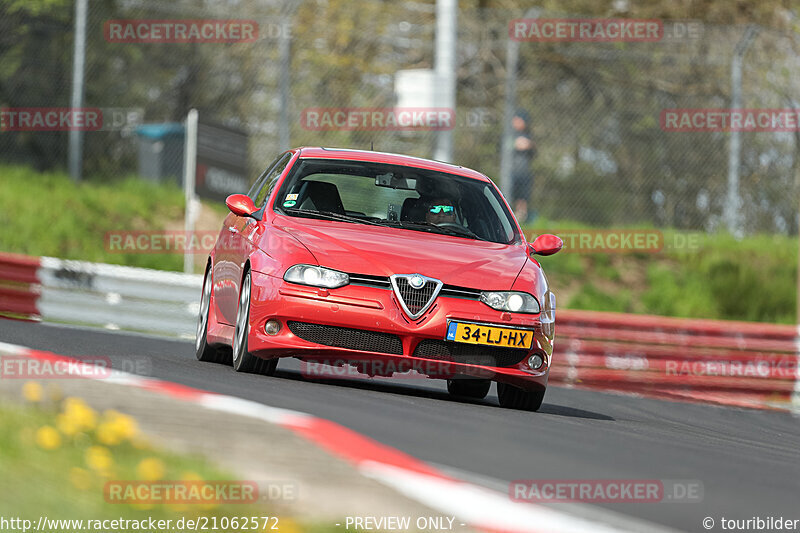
x: 535, y: 361
x: 272, y: 327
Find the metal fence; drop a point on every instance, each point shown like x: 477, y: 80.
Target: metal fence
x: 96, y: 295
x: 603, y: 156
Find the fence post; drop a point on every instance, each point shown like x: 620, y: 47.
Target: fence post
x: 512, y: 61
x: 445, y: 67
x: 189, y: 176
x: 75, y: 157
x: 733, y: 203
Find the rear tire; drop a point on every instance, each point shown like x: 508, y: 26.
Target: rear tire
x: 469, y: 388
x: 512, y: 397
x: 243, y: 360
x: 203, y: 351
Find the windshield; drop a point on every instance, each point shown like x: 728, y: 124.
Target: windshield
x: 404, y: 197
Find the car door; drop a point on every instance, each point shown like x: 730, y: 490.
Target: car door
x: 244, y: 233
x: 227, y: 271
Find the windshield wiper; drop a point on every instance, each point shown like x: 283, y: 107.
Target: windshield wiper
x: 328, y: 215
x: 407, y: 224
x: 433, y: 228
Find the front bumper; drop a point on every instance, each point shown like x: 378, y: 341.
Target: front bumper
x: 373, y: 309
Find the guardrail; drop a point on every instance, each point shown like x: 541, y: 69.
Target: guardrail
x: 19, y: 286
x: 98, y: 295
x: 733, y: 363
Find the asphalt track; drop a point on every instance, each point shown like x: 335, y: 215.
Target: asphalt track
x: 747, y: 461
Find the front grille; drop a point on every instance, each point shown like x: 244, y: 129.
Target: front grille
x: 382, y: 282
x: 415, y: 299
x: 460, y: 292
x: 472, y: 354
x: 379, y: 282
x: 350, y: 339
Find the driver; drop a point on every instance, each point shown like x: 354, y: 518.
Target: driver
x: 440, y: 211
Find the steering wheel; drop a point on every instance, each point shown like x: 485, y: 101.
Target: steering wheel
x: 454, y: 225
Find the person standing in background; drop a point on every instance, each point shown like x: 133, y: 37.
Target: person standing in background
x: 524, y: 151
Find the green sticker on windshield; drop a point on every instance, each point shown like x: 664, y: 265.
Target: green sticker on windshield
x: 289, y: 203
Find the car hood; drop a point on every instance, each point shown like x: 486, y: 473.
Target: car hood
x: 377, y: 251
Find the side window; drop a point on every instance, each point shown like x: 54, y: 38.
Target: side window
x: 271, y: 179
x: 257, y: 184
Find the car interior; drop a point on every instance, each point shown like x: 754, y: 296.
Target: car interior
x: 317, y: 191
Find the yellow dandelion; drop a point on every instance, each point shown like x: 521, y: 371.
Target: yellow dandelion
x: 32, y: 391
x: 150, y: 469
x: 108, y: 435
x: 81, y: 479
x: 71, y: 403
x: 66, y: 425
x: 99, y: 459
x: 48, y: 438
x: 127, y: 426
x: 116, y: 427
x: 83, y: 416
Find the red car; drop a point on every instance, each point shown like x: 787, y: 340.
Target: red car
x: 386, y: 263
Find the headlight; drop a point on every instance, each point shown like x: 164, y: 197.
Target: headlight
x: 514, y: 302
x: 316, y: 276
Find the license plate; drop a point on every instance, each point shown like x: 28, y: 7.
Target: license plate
x: 489, y: 335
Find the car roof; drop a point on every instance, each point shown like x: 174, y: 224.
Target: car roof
x: 308, y: 152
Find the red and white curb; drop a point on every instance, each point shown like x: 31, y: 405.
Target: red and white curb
x: 474, y: 505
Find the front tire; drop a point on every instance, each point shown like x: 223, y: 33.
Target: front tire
x: 243, y: 360
x: 512, y: 397
x: 469, y: 388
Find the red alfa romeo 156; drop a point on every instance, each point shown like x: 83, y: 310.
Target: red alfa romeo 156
x: 385, y: 263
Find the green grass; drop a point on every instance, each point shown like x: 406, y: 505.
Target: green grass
x: 47, y: 214
x: 60, y: 483
x: 751, y: 279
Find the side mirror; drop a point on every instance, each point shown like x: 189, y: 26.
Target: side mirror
x: 241, y: 204
x: 546, y: 245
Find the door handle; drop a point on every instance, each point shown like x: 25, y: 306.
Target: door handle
x: 232, y: 229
